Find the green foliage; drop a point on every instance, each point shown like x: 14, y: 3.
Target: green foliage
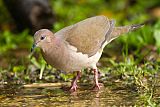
x: 140, y: 38
x: 71, y: 11
x: 157, y: 33
x: 134, y: 70
x: 9, y: 40
x: 18, y: 68
x: 66, y: 77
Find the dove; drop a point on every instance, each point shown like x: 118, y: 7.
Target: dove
x: 79, y: 46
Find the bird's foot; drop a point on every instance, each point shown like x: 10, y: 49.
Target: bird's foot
x: 74, y: 82
x: 73, y: 87
x: 96, y: 87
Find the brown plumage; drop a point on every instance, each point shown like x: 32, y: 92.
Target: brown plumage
x: 92, y: 30
x: 80, y: 45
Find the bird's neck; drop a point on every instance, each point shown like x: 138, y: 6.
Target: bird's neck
x: 53, y: 49
x: 55, y: 53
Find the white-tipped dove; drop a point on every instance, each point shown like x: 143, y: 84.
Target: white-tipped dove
x: 79, y: 46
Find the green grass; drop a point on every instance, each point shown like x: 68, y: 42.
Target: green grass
x: 136, y: 66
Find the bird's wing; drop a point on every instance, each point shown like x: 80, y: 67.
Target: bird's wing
x: 88, y: 35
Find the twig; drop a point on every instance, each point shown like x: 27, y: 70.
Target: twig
x: 38, y: 85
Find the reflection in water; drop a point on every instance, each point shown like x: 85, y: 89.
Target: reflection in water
x: 96, y: 101
x: 51, y: 96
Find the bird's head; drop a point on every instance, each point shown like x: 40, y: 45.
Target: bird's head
x: 41, y: 38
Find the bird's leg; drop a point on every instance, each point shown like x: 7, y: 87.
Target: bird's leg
x: 96, y: 87
x: 74, y: 82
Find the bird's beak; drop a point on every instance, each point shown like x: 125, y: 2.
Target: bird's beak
x: 33, y: 47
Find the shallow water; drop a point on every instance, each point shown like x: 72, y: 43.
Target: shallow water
x: 113, y: 94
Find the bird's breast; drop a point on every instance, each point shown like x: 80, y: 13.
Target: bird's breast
x: 67, y: 58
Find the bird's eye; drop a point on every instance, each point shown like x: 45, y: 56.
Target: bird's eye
x: 42, y: 37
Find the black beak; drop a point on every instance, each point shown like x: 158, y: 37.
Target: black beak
x: 33, y: 46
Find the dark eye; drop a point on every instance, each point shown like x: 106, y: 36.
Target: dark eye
x: 42, y: 37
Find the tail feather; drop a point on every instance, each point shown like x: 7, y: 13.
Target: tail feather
x: 117, y: 31
x: 136, y: 26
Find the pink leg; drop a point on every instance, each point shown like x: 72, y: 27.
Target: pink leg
x: 96, y: 87
x: 74, y: 82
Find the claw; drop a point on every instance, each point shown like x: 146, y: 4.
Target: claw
x: 96, y: 87
x: 73, y: 88
x: 74, y: 82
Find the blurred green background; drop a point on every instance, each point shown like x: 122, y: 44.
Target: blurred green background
x: 140, y: 48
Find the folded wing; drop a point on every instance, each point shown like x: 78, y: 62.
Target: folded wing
x: 88, y: 35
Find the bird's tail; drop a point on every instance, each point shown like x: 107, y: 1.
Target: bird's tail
x: 136, y: 26
x: 117, y: 31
